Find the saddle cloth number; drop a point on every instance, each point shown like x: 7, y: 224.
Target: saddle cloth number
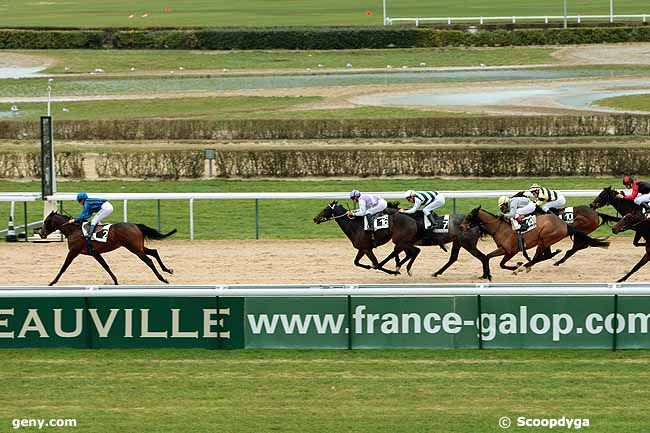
x: 529, y: 222
x: 381, y: 222
x: 441, y: 225
x: 99, y: 236
x: 567, y: 215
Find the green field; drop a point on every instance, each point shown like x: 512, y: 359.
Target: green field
x: 459, y: 391
x: 220, y: 13
x: 82, y: 61
x: 232, y: 107
x: 279, y: 219
x: 632, y: 102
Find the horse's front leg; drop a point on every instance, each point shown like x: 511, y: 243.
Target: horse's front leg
x: 645, y: 259
x: 637, y: 238
x: 357, y: 260
x: 72, y: 254
x: 376, y: 263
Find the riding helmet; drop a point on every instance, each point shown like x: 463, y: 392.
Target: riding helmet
x: 355, y: 193
x: 409, y: 193
x: 627, y: 180
x: 82, y: 196
x: 504, y: 199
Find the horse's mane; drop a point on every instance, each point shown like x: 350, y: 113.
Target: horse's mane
x: 393, y: 204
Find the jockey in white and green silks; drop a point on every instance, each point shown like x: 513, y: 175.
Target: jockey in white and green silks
x: 426, y: 201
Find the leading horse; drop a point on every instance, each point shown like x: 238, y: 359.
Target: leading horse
x: 129, y: 236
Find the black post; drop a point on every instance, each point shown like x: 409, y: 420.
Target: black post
x: 48, y: 186
x: 480, y: 324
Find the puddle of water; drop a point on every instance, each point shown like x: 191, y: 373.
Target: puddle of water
x: 9, y: 114
x: 482, y: 97
x: 19, y: 72
x: 587, y: 100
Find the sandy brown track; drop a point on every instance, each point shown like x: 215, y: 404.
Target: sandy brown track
x: 296, y: 261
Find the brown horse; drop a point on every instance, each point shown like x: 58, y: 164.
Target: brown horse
x: 130, y: 236
x: 549, y: 230
x: 584, y: 219
x: 402, y: 231
x: 635, y: 221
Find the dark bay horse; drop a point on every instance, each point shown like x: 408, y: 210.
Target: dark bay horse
x: 467, y: 240
x: 129, y: 236
x: 401, y: 231
x: 549, y: 230
x: 637, y: 222
x: 585, y: 219
x: 607, y: 197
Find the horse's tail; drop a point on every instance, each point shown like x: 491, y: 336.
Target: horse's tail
x: 606, y: 219
x: 150, y: 233
x: 592, y: 242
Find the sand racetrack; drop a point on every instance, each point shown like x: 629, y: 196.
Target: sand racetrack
x: 296, y: 261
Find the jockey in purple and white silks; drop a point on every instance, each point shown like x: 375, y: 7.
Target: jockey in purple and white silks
x: 369, y: 205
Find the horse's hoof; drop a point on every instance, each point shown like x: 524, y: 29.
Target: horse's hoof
x: 520, y: 263
x: 170, y: 271
x: 528, y: 269
x: 165, y: 281
x: 410, y: 274
x: 556, y: 264
x: 435, y: 275
x: 52, y: 283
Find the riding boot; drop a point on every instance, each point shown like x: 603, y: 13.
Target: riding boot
x: 369, y: 219
x: 522, y: 245
x: 89, y: 237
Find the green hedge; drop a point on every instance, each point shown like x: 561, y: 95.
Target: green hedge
x: 51, y: 39
x: 183, y: 129
x: 314, y: 38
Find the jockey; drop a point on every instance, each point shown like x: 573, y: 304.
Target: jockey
x: 545, y: 198
x: 426, y: 201
x: 90, y: 206
x: 516, y: 208
x: 369, y: 205
x: 640, y: 192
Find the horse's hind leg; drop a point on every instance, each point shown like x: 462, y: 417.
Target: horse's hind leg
x: 154, y: 253
x: 645, y: 259
x: 102, y: 262
x: 149, y: 263
x: 68, y: 259
x: 473, y: 250
x: 378, y: 265
x: 413, y: 252
x: 453, y: 257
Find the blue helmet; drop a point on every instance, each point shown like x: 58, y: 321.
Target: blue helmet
x: 82, y: 196
x: 355, y: 193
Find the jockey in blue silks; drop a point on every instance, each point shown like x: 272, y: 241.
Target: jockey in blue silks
x: 98, y: 206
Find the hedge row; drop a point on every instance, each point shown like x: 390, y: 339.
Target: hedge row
x: 183, y: 129
x: 314, y: 38
x: 431, y: 162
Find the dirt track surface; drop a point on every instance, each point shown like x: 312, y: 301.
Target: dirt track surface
x: 307, y: 262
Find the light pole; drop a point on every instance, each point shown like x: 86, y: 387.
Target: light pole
x: 565, y: 14
x: 611, y: 11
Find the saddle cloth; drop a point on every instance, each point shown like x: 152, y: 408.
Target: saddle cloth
x: 441, y: 224
x: 527, y: 224
x: 380, y: 222
x: 567, y: 215
x: 101, y: 232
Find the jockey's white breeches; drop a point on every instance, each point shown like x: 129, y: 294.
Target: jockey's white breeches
x: 102, y: 214
x: 380, y: 206
x: 642, y: 198
x: 439, y: 201
x: 526, y: 210
x: 561, y: 201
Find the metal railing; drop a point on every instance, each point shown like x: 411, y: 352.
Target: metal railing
x: 257, y: 196
x: 513, y: 19
x: 318, y: 290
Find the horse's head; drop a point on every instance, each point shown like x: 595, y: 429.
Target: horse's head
x: 51, y: 223
x: 628, y: 222
x: 606, y: 197
x: 327, y: 213
x: 471, y: 219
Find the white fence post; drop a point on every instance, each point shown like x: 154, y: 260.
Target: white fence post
x: 191, y: 219
x: 126, y: 211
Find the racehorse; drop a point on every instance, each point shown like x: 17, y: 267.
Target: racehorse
x: 607, y: 197
x: 549, y: 230
x: 130, y: 236
x: 457, y: 237
x: 635, y: 221
x: 585, y: 219
x: 401, y: 231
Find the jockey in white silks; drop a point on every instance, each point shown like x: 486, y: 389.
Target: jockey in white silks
x: 369, y: 205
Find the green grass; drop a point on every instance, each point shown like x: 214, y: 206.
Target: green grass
x: 632, y: 102
x: 81, y: 61
x: 279, y: 219
x: 97, y: 13
x: 459, y: 391
x: 230, y: 107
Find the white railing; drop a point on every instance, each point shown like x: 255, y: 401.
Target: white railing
x: 513, y: 18
x: 551, y: 289
x: 257, y: 196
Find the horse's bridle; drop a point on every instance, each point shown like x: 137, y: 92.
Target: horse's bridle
x: 334, y: 217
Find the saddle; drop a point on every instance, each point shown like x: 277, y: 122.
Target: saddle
x: 100, y: 234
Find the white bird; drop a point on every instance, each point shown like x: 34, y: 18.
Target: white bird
x: 65, y: 110
x: 132, y: 69
x: 320, y: 66
x: 349, y: 65
x: 482, y: 65
x: 171, y: 72
x: 49, y: 80
x: 308, y: 55
x: 66, y: 69
x: 225, y: 69
x: 180, y: 68
x: 131, y: 16
x: 308, y: 69
x: 423, y: 64
x: 404, y: 67
x: 389, y: 67
x: 14, y: 108
x: 100, y: 70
